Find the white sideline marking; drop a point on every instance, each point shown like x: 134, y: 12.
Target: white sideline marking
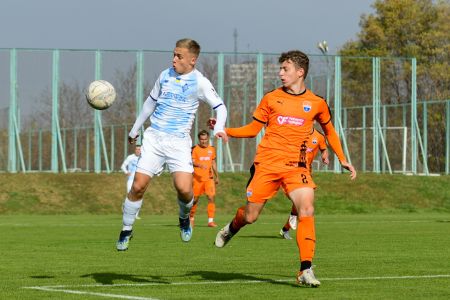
x: 50, y: 289
x: 59, y: 287
x: 62, y: 288
x: 387, y: 277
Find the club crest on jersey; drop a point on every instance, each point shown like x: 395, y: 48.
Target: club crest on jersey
x: 314, y: 141
x: 249, y: 192
x: 185, y: 87
x: 306, y: 106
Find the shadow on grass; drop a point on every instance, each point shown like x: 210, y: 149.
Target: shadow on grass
x: 42, y: 277
x: 261, y: 237
x: 216, y: 276
x: 109, y: 278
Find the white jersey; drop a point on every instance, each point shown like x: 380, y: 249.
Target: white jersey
x: 129, y: 165
x: 177, y: 100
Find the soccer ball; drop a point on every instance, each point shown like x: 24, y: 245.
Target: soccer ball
x: 101, y: 94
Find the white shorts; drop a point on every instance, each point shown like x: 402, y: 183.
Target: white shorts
x: 159, y: 148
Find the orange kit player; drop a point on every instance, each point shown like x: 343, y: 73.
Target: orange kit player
x: 288, y: 113
x: 316, y: 142
x: 205, y: 175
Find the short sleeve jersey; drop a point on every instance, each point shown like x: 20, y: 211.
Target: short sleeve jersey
x: 177, y: 99
x: 289, y: 121
x: 204, y: 156
x: 315, y: 143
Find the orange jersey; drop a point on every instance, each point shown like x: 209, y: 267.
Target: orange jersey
x: 315, y: 143
x: 289, y: 123
x: 205, y: 157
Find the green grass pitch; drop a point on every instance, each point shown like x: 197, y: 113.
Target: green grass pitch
x: 368, y: 256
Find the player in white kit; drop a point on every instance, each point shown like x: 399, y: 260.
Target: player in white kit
x: 129, y: 166
x: 171, y: 106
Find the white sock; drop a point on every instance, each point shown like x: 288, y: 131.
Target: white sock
x: 130, y: 208
x: 185, y: 208
x: 210, y: 220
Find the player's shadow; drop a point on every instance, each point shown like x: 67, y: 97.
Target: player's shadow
x: 109, y: 278
x: 260, y: 236
x: 42, y: 277
x: 216, y: 276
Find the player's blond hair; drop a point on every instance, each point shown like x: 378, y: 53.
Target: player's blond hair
x: 189, y: 44
x: 299, y: 59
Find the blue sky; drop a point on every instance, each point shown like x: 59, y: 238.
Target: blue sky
x: 266, y: 25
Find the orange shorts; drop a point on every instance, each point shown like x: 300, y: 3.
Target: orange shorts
x: 204, y: 187
x: 266, y: 181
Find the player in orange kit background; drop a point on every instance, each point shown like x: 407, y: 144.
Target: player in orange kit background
x: 205, y: 175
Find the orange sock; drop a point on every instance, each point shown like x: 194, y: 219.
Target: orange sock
x: 193, y: 210
x: 306, y: 238
x: 211, y: 209
x: 238, y: 220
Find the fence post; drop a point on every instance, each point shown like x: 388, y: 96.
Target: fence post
x: 376, y: 113
x: 97, y: 116
x: 425, y: 129
x: 447, y: 133
x: 259, y: 88
x: 139, y: 92
x: 12, y: 158
x: 99, y: 139
x: 337, y: 105
x: 54, y: 145
x: 56, y: 130
x: 413, y: 117
x: 221, y: 92
x: 364, y: 140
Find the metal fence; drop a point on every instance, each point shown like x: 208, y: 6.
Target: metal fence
x: 46, y: 124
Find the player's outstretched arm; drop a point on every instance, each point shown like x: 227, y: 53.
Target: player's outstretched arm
x: 221, y: 134
x: 325, y: 157
x: 349, y: 167
x: 335, y: 144
x: 219, y: 124
x: 247, y: 131
x: 147, y: 110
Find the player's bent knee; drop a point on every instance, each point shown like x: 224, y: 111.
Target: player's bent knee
x: 249, y: 219
x: 307, y: 211
x: 137, y: 188
x: 185, y: 197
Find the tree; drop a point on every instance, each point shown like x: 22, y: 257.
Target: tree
x: 409, y: 28
x: 406, y: 29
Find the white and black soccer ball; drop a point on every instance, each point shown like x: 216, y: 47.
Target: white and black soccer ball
x: 100, y: 94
